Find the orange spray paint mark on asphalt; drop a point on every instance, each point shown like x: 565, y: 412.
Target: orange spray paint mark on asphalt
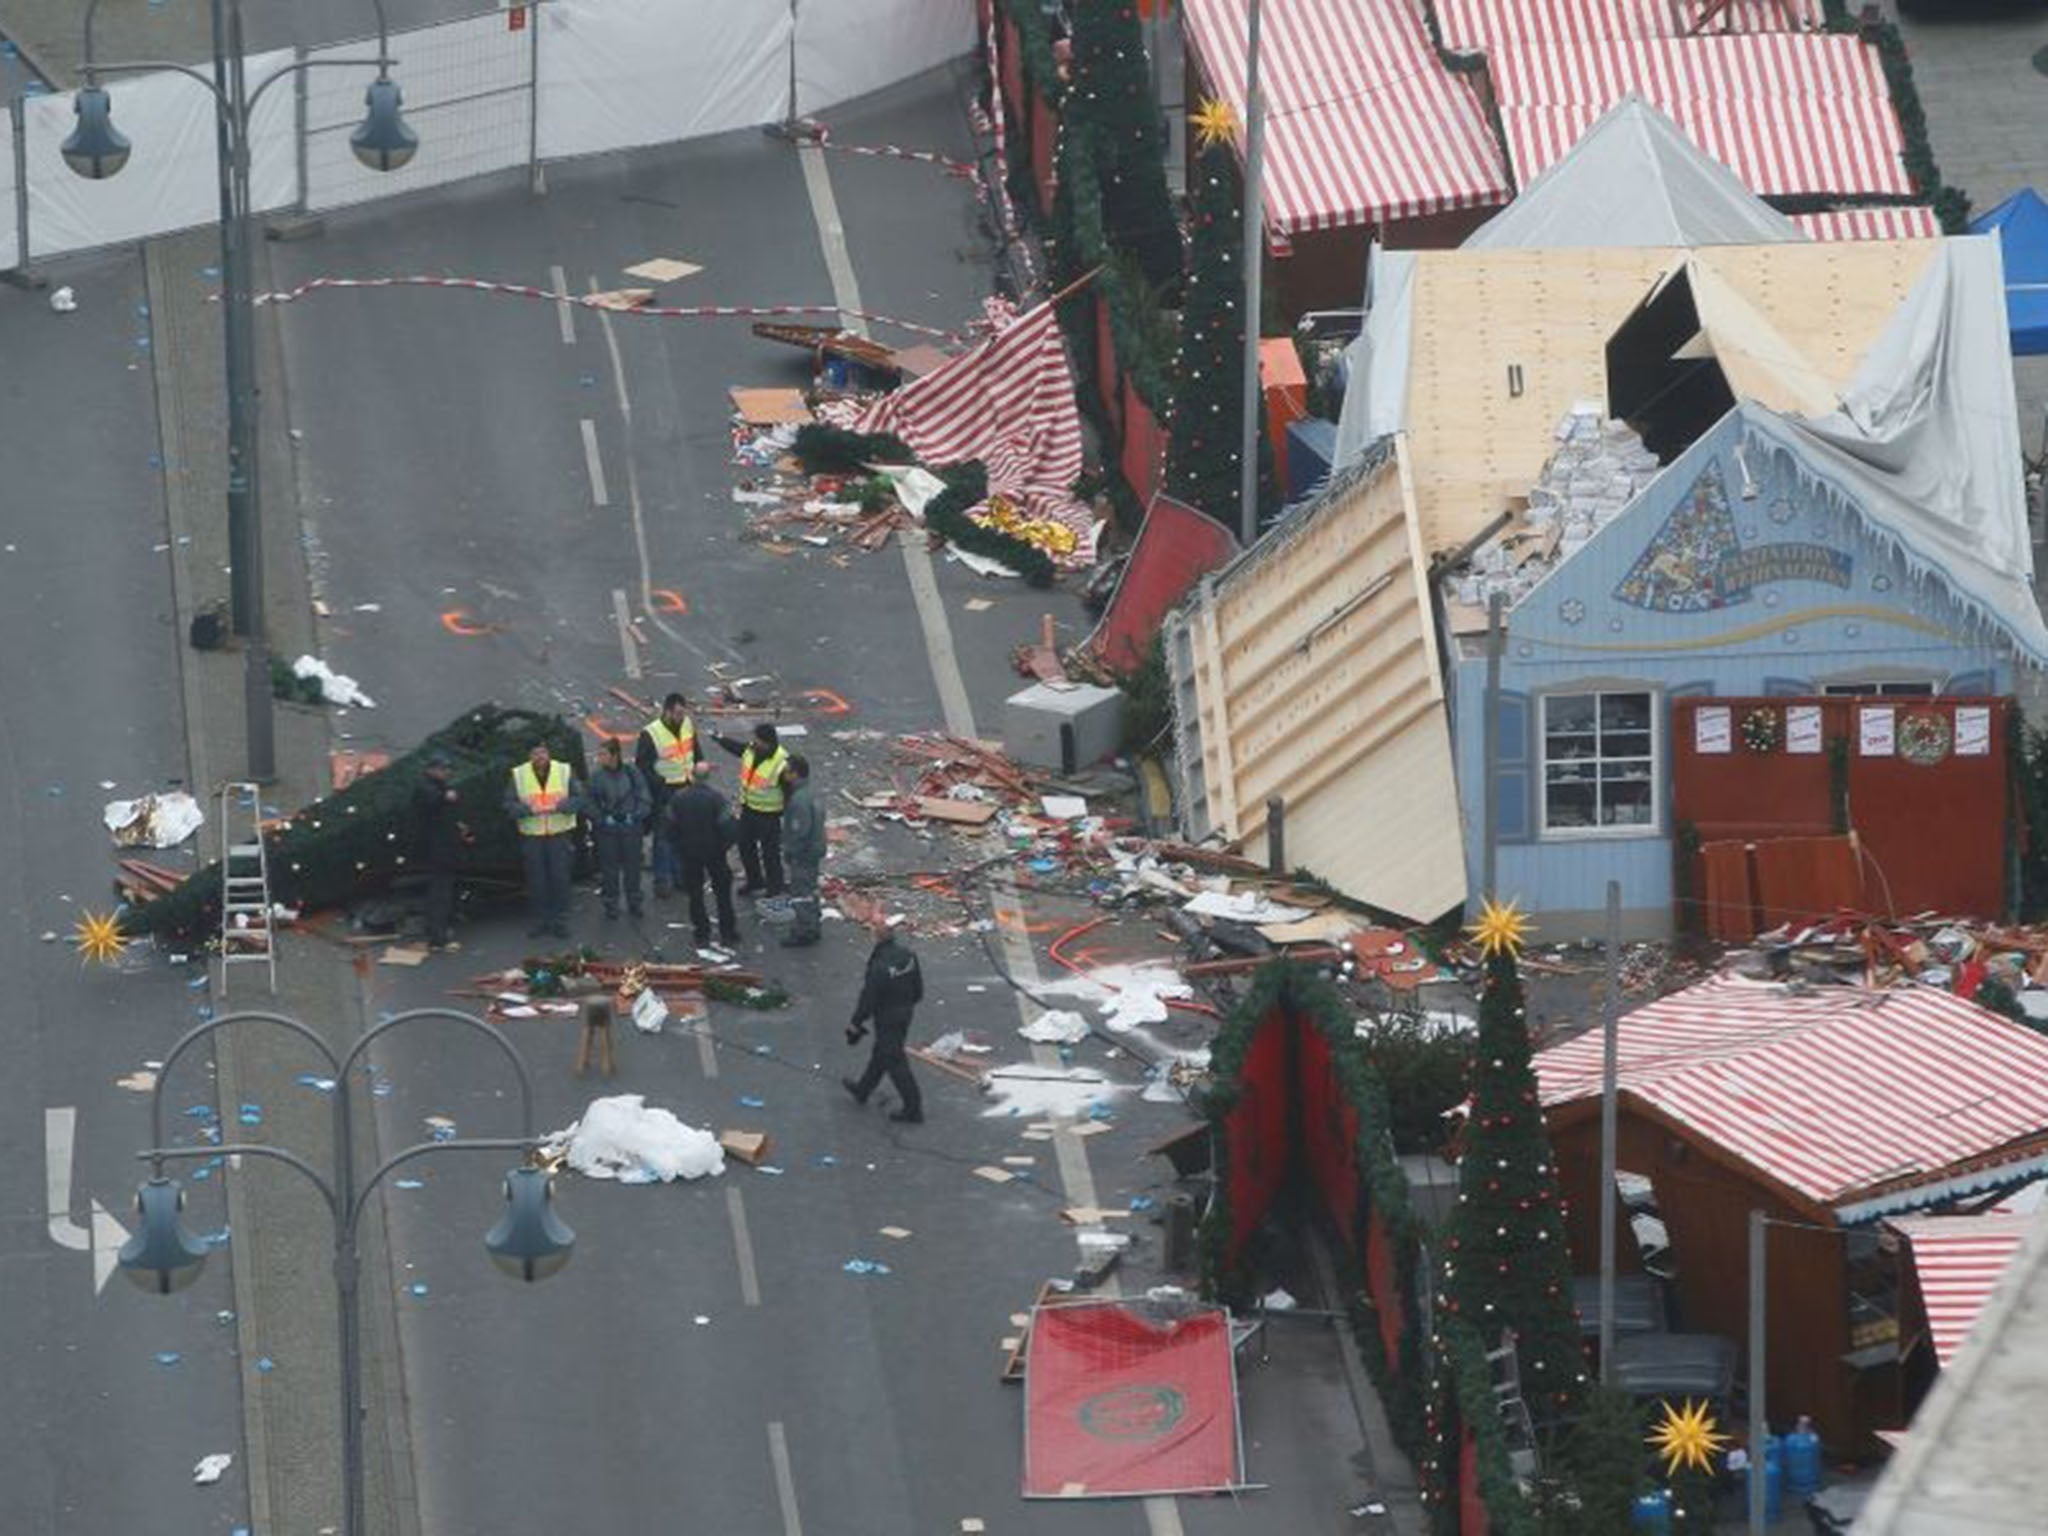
x: 457, y: 622
x: 667, y: 600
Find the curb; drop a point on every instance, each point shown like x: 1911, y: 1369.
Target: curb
x: 33, y: 56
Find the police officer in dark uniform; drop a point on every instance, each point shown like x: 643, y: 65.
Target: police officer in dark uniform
x: 698, y: 827
x: 891, y: 991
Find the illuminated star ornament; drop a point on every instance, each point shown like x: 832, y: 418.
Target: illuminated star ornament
x: 1215, y: 123
x: 1686, y: 1437
x: 1501, y: 929
x: 98, y: 938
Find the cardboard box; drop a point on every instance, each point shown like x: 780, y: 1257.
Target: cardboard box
x: 749, y: 1147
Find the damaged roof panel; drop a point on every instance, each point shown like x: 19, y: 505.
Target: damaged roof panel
x: 1314, y: 676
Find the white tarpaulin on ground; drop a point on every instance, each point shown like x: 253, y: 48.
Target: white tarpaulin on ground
x: 172, y: 179
x: 619, y: 73
x: 1926, y: 443
x: 845, y: 50
x: 622, y: 1138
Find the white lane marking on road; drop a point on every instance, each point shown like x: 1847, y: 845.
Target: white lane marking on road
x: 785, y: 1480
x: 707, y: 1051
x: 743, y: 1245
x: 623, y: 614
x: 593, y: 461
x: 565, y: 312
x: 103, y: 1236
x: 1070, y: 1153
x: 625, y: 404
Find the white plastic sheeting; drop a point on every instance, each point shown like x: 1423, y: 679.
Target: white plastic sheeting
x: 624, y: 1138
x: 847, y: 48
x: 172, y: 179
x: 466, y: 85
x: 579, y: 77
x: 619, y: 73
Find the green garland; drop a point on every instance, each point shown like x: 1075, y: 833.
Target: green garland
x: 355, y: 841
x: 830, y: 450
x: 1471, y: 1384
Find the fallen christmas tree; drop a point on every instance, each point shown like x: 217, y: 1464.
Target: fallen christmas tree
x: 357, y: 840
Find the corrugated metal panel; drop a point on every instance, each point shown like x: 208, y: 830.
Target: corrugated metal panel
x: 1316, y: 676
x: 1959, y: 1261
x: 1830, y: 1092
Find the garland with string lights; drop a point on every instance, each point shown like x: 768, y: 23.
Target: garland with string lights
x: 1110, y: 93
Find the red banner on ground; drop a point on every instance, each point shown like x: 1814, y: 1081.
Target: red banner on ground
x: 1122, y: 1399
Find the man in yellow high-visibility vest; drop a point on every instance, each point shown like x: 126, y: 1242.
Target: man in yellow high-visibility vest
x: 667, y: 753
x: 762, y: 760
x: 544, y: 799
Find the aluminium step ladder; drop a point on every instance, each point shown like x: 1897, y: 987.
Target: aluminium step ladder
x: 245, y: 928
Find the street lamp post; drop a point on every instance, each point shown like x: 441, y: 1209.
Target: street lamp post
x: 96, y: 149
x: 529, y: 1241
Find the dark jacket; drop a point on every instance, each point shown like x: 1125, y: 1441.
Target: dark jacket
x: 619, y: 798
x: 803, y: 828
x: 698, y: 823
x: 893, y: 986
x: 439, y: 820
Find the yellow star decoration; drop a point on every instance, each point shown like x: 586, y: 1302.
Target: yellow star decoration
x: 1501, y: 929
x: 1215, y: 123
x: 98, y: 938
x: 1687, y: 1438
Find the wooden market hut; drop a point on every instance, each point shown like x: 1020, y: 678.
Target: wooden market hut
x: 1827, y: 1108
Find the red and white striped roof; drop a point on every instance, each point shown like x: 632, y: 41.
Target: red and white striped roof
x: 1915, y: 221
x: 1960, y: 1260
x: 1792, y: 114
x: 1829, y: 1092
x: 1470, y: 25
x: 1364, y: 125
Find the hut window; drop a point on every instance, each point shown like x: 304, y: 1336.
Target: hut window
x: 1599, y: 762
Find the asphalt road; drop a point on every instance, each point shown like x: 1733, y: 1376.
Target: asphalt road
x: 445, y: 469
x: 99, y: 1435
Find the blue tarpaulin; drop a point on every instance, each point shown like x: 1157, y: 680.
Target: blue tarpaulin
x: 2021, y: 224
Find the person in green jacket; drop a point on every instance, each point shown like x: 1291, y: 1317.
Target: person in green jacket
x: 803, y: 849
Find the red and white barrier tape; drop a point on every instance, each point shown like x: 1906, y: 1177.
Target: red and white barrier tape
x: 822, y: 137
x: 600, y: 302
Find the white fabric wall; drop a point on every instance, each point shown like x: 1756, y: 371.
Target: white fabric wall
x: 847, y: 48
x: 613, y: 74
x: 465, y: 88
x: 619, y: 73
x: 10, y: 247
x: 171, y: 180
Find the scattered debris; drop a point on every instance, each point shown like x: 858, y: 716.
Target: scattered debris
x: 154, y: 821
x: 333, y: 686
x: 211, y: 1467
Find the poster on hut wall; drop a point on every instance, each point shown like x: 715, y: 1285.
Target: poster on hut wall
x: 1875, y: 731
x: 1973, y: 731
x: 1802, y: 730
x: 1711, y: 731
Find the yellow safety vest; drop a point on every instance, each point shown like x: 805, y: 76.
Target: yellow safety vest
x: 761, y: 784
x: 542, y: 820
x: 675, y: 752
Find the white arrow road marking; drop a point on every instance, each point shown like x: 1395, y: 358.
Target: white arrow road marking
x: 102, y: 1239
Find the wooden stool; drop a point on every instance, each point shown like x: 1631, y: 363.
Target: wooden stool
x: 597, y: 1027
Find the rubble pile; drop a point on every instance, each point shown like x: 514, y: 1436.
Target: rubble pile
x: 1600, y: 466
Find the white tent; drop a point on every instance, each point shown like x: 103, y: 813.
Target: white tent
x: 1634, y: 179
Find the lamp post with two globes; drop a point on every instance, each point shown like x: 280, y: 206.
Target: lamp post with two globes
x: 529, y: 1241
x: 96, y: 149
